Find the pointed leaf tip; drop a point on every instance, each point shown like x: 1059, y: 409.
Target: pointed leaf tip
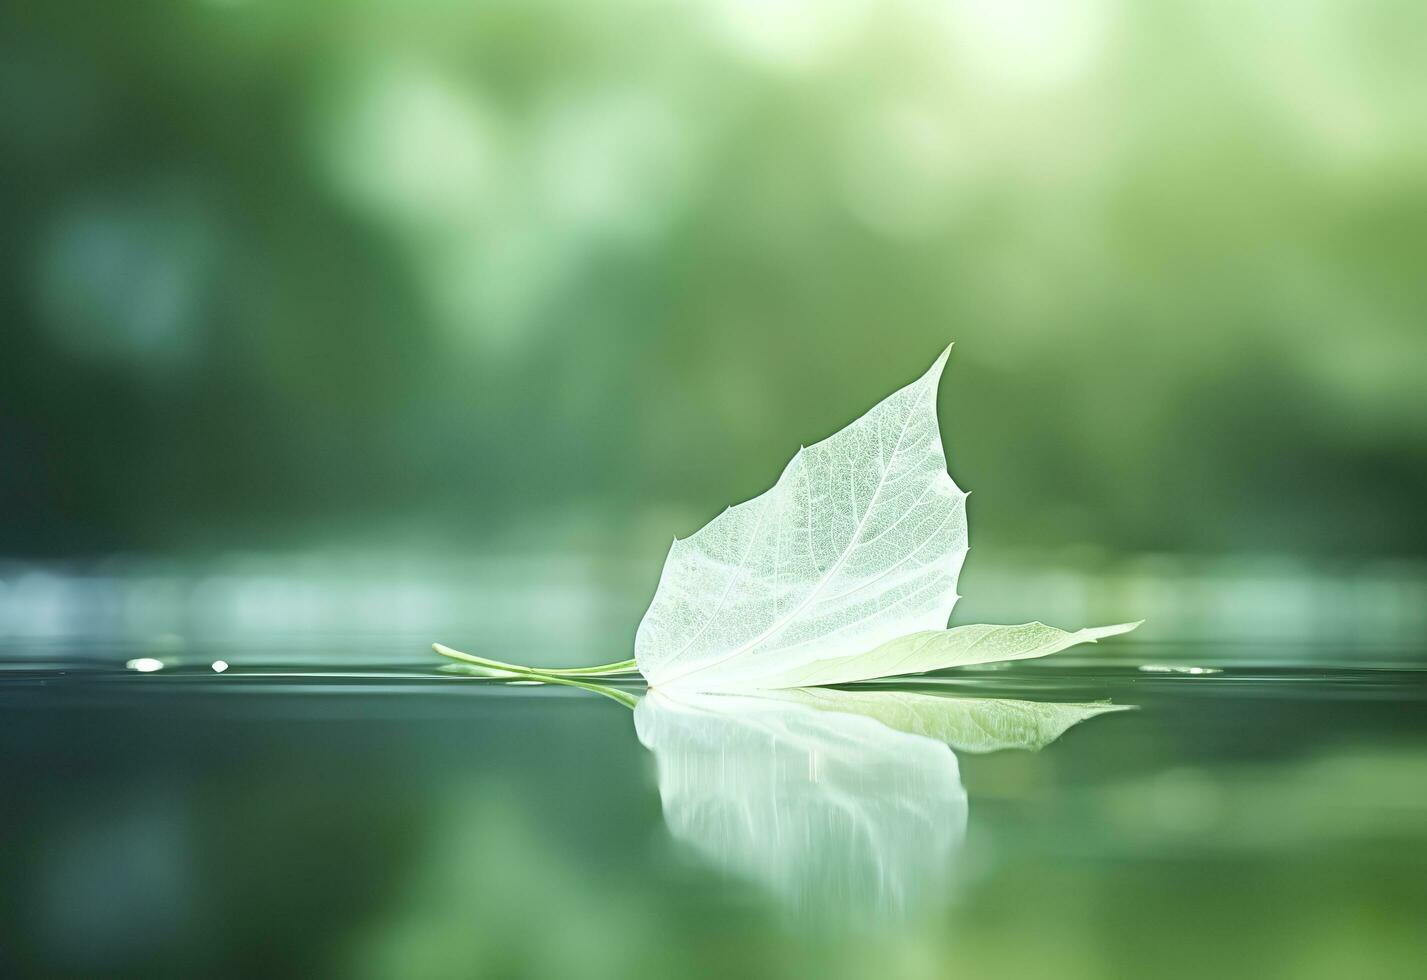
x: 935, y: 370
x: 1101, y: 632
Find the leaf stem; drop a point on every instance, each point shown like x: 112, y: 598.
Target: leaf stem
x: 624, y: 697
x: 603, y: 670
x: 613, y: 693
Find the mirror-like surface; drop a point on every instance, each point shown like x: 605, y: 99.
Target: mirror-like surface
x: 840, y: 816
x: 348, y: 819
x: 846, y: 804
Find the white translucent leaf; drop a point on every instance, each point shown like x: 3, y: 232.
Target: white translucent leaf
x: 837, y: 814
x: 976, y: 725
x: 859, y: 542
x: 927, y: 650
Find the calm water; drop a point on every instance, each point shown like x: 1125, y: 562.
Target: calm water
x: 331, y: 820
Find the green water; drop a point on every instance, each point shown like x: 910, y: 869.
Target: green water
x: 344, y: 819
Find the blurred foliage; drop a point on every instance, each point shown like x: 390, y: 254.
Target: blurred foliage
x: 460, y: 273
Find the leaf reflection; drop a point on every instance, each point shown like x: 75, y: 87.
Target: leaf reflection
x: 845, y: 804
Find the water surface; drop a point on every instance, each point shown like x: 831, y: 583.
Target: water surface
x: 346, y: 817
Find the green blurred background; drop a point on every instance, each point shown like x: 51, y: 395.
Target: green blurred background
x: 558, y: 278
x: 329, y: 329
